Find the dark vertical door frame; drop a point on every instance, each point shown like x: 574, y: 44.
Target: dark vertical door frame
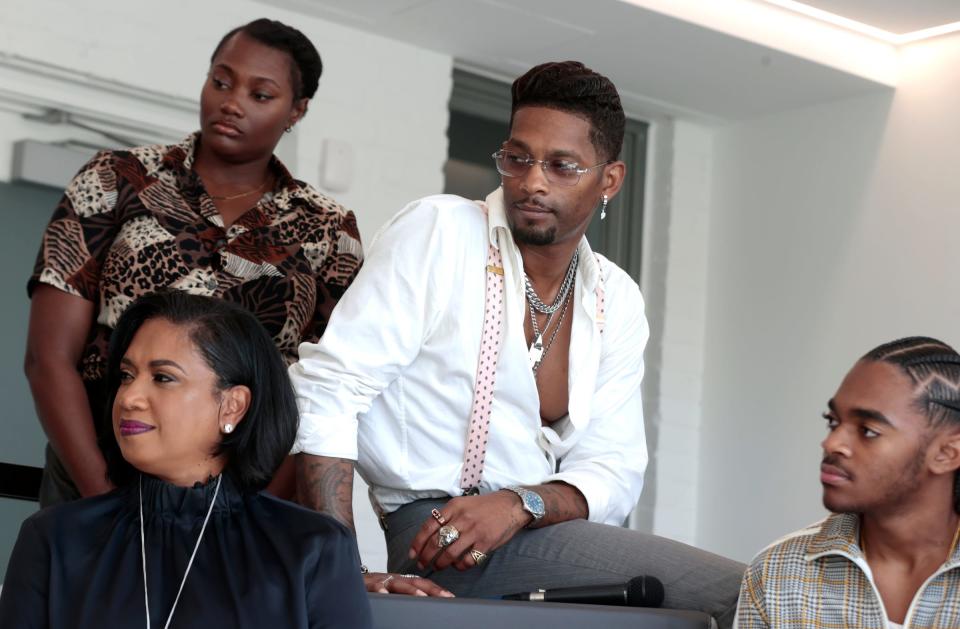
x: 620, y: 236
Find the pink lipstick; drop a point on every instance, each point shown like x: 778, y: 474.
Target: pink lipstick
x: 129, y: 427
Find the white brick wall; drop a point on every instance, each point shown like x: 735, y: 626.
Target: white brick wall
x: 684, y: 311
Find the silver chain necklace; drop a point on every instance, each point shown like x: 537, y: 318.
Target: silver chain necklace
x: 538, y: 351
x: 536, y: 304
x: 535, y: 300
x: 143, y: 553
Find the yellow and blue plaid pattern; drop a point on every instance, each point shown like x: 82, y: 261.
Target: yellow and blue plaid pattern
x: 818, y: 578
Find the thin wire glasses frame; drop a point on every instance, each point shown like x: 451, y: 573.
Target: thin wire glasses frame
x: 558, y: 171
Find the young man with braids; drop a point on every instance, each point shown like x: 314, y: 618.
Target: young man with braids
x: 484, y: 374
x: 888, y: 555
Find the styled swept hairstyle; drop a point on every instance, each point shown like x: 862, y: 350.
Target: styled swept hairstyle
x: 239, y: 351
x: 571, y: 87
x: 934, y: 368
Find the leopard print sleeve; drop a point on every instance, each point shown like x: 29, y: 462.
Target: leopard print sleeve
x: 337, y: 270
x: 80, y: 231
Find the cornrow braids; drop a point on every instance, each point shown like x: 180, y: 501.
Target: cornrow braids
x: 571, y: 87
x: 934, y: 368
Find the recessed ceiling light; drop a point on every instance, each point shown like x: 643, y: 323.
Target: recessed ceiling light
x: 865, y: 29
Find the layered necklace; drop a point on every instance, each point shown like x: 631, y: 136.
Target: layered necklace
x: 143, y: 553
x: 538, y: 351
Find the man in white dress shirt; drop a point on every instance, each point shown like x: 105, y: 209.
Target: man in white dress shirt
x: 483, y: 373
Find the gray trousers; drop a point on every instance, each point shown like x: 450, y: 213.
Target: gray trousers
x: 579, y: 553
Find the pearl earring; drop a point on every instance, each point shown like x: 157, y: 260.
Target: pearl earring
x: 227, y: 428
x: 603, y: 210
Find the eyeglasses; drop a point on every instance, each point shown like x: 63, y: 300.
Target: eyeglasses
x: 559, y: 171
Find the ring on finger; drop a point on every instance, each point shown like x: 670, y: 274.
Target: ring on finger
x: 479, y: 558
x: 384, y: 582
x: 438, y: 516
x: 447, y: 535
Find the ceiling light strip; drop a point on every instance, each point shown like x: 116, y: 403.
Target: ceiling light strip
x: 927, y: 33
x: 837, y: 20
x: 866, y: 29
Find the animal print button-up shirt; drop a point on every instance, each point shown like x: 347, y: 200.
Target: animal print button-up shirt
x: 818, y: 578
x: 135, y: 221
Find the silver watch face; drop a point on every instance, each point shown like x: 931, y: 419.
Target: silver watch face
x: 533, y: 503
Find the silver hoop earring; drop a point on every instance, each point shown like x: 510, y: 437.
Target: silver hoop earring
x: 603, y: 210
x: 227, y: 429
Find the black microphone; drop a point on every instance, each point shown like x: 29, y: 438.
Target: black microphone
x: 642, y: 591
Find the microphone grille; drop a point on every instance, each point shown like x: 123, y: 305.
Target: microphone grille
x: 644, y: 591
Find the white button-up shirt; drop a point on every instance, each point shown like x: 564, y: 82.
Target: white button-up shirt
x: 390, y: 384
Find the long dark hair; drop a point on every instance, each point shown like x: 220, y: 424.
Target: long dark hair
x: 240, y: 352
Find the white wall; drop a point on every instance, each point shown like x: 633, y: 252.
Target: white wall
x: 139, y: 68
x: 674, y: 286
x: 833, y: 229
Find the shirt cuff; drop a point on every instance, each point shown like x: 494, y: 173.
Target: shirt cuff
x: 604, y: 507
x: 325, y: 436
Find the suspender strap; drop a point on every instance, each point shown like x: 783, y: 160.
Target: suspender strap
x: 601, y: 318
x: 490, y: 342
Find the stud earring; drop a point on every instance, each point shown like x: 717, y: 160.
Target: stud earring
x: 603, y: 210
x: 227, y: 429
x: 288, y: 129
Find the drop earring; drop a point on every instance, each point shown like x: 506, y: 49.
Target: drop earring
x: 227, y: 429
x: 603, y: 210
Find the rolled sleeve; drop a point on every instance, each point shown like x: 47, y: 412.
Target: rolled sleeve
x: 321, y: 437
x: 608, y: 460
x: 80, y: 232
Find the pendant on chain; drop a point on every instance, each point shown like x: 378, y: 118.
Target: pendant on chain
x: 536, y: 352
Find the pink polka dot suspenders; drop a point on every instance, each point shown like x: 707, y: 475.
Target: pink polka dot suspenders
x: 490, y: 343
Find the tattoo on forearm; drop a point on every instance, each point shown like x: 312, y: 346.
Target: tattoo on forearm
x: 562, y: 502
x: 326, y: 485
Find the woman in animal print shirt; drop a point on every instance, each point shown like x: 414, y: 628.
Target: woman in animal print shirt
x: 215, y: 215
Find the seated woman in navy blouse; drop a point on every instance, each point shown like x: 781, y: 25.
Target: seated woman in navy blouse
x: 203, y: 414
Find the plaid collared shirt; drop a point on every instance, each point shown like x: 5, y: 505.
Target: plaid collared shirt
x: 819, y: 577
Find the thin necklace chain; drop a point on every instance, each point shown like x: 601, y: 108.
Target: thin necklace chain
x: 231, y: 197
x: 143, y: 553
x: 535, y: 300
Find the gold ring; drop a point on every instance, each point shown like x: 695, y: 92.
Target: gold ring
x: 438, y: 516
x: 478, y: 557
x: 447, y: 535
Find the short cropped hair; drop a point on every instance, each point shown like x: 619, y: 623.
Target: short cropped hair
x: 305, y: 66
x: 934, y: 369
x: 239, y: 351
x: 571, y: 87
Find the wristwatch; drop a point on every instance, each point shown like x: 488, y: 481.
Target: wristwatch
x: 532, y: 502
